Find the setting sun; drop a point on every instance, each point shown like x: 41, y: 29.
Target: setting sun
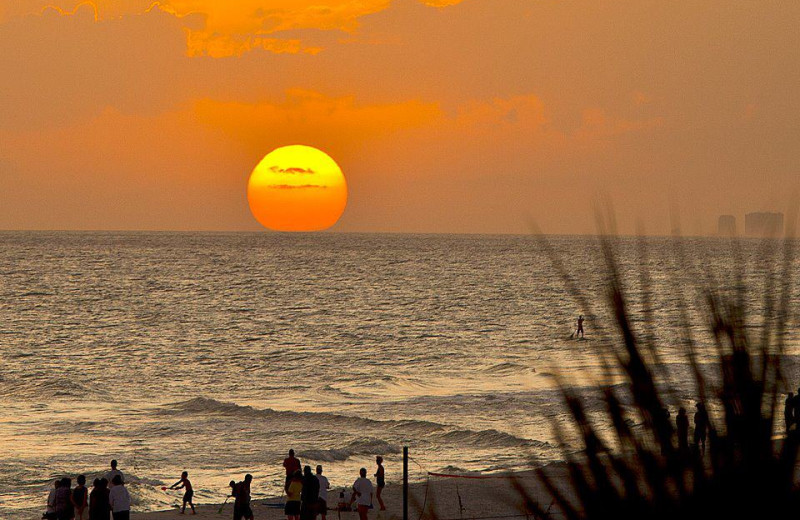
x: 297, y: 188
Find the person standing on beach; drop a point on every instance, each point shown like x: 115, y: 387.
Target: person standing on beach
x: 292, y: 465
x: 98, y: 500
x: 682, y: 427
x: 119, y: 499
x: 362, y: 494
x: 788, y: 412
x: 184, y: 483
x: 579, y: 333
x: 324, y: 486
x: 380, y: 481
x: 80, y: 497
x: 700, y: 428
x: 294, y: 496
x: 309, y: 496
x: 50, y: 512
x: 236, y: 490
x: 113, y: 473
x: 63, y: 500
x: 245, y: 510
x: 796, y: 411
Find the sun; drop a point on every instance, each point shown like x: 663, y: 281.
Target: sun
x: 297, y: 188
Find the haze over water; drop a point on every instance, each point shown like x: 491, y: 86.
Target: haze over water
x: 216, y: 353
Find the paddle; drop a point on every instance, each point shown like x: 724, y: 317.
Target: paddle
x: 223, y: 505
x: 165, y: 489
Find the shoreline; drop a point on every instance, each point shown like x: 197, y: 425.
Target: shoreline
x: 465, y: 497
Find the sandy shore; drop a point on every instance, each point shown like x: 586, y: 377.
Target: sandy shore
x: 451, y: 498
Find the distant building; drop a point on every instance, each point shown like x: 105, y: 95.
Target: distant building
x: 726, y: 226
x: 763, y: 224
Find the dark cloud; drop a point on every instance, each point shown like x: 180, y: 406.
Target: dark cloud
x: 295, y: 171
x: 300, y: 187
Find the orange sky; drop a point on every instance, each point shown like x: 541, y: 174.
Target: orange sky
x: 445, y: 116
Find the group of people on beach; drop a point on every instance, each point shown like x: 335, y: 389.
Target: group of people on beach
x: 791, y: 419
x: 306, y: 495
x: 701, y: 424
x: 108, y: 497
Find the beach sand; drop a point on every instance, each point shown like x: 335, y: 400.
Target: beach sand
x: 450, y: 498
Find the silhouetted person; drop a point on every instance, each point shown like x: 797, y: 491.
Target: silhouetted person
x: 579, y: 333
x: 184, y: 483
x: 342, y: 505
x: 324, y: 486
x: 796, y: 410
x: 309, y: 496
x: 380, y: 481
x: 63, y: 504
x: 80, y: 497
x: 362, y: 494
x: 237, y: 515
x: 788, y: 412
x: 294, y: 496
x: 119, y: 499
x: 50, y: 512
x: 682, y: 427
x: 700, y: 428
x: 113, y: 473
x: 292, y: 465
x: 98, y: 500
x: 245, y: 510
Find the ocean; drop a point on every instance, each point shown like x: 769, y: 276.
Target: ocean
x: 215, y: 353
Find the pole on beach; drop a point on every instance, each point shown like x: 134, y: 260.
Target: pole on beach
x: 405, y: 482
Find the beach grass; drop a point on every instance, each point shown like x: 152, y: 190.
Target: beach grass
x: 747, y: 471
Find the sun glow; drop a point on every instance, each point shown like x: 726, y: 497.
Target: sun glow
x: 297, y: 188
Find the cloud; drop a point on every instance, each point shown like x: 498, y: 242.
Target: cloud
x: 471, y: 117
x: 339, y: 125
x: 295, y: 171
x: 83, y: 9
x: 231, y: 28
x: 59, y: 68
x: 297, y: 187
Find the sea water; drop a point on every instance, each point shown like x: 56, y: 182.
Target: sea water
x: 216, y: 353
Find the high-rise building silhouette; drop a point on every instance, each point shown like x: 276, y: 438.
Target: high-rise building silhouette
x: 763, y: 224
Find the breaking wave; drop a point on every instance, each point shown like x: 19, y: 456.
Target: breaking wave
x: 419, y: 429
x: 366, y: 446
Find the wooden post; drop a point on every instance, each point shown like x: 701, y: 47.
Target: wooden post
x: 405, y: 482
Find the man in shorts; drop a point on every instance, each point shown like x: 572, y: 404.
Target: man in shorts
x: 324, y: 486
x: 362, y: 493
x: 185, y: 484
